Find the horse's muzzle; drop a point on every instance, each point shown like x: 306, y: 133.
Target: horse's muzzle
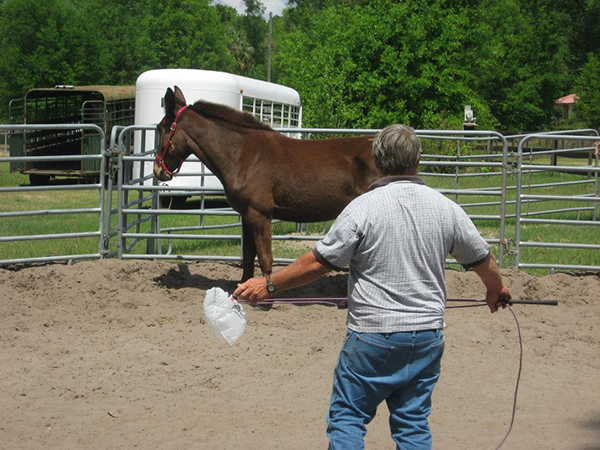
x: 160, y: 174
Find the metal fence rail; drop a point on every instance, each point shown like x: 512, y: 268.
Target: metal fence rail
x: 99, y: 186
x: 591, y: 199
x: 129, y: 210
x: 139, y: 196
x: 133, y: 181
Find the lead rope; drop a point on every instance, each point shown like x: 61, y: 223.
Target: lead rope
x: 340, y: 301
x: 514, y: 408
x: 514, y: 411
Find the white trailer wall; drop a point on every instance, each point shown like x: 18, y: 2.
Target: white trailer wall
x: 272, y: 103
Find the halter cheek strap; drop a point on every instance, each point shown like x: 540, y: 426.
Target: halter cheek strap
x: 160, y: 157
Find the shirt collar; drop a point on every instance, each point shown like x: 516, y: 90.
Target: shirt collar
x: 392, y: 179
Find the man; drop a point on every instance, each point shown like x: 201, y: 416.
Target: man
x: 395, y: 238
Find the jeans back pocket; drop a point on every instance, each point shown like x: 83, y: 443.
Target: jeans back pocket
x: 436, y: 353
x: 368, y: 357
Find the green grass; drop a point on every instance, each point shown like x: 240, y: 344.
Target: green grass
x: 537, y: 232
x: 32, y: 225
x: 45, y: 200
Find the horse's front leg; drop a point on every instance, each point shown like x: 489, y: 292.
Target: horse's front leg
x: 261, y: 232
x: 248, y: 250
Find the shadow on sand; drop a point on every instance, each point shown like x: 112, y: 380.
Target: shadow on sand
x: 334, y: 285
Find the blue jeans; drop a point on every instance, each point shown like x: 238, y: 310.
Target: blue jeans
x: 400, y: 368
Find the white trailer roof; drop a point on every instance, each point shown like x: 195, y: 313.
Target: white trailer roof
x: 208, y: 80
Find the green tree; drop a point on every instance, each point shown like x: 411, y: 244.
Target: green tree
x: 522, y: 65
x: 581, y: 24
x: 238, y: 44
x: 420, y: 62
x: 44, y: 43
x: 118, y: 32
x: 354, y: 62
x: 183, y: 33
x: 587, y: 108
x: 382, y: 62
x: 256, y: 28
x: 240, y: 49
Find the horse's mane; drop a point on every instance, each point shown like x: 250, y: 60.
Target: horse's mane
x: 229, y: 115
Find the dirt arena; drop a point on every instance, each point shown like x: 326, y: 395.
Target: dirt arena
x: 116, y: 355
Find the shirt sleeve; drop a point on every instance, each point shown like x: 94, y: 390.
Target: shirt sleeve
x: 339, y: 245
x: 468, y: 248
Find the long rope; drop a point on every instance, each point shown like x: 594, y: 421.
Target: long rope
x: 514, y: 408
x: 341, y: 301
x: 514, y: 411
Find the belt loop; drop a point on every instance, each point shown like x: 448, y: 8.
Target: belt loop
x: 414, y: 334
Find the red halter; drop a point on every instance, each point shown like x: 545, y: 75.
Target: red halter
x: 160, y: 158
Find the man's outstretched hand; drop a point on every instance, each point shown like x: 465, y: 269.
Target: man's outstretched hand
x: 252, y: 291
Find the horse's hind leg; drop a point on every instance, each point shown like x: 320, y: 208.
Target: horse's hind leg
x: 248, y: 250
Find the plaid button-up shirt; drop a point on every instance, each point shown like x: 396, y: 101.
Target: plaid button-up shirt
x: 395, y: 239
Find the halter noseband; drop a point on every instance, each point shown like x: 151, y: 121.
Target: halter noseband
x: 160, y: 158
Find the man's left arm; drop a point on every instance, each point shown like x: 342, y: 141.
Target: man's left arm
x: 304, y: 270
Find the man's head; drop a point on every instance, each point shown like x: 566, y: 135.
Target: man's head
x: 397, y: 150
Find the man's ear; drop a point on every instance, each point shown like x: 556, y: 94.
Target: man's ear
x: 179, y: 97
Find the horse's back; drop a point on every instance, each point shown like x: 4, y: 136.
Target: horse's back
x: 319, y: 157
x: 314, y: 180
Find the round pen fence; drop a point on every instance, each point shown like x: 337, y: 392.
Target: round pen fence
x: 138, y: 229
x: 145, y: 229
x: 14, y: 219
x: 516, y: 189
x: 573, y: 207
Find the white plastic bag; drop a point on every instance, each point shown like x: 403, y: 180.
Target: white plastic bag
x: 224, y: 315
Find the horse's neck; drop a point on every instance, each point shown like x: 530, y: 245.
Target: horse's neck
x: 215, y: 147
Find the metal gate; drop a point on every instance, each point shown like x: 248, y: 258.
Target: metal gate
x: 138, y: 231
x: 131, y: 224
x: 41, y: 231
x: 588, y: 202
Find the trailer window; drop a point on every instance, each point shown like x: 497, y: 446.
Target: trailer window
x: 274, y: 113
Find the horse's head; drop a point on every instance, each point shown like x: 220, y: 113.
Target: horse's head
x: 172, y: 146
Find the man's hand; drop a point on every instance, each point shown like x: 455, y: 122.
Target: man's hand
x: 304, y: 270
x: 489, y: 273
x: 252, y: 291
x: 493, y: 299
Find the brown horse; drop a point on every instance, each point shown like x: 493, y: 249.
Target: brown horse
x: 265, y: 174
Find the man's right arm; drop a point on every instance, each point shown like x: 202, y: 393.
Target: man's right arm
x: 489, y: 273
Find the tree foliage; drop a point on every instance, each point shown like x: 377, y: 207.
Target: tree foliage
x: 421, y: 62
x: 356, y: 63
x: 46, y: 42
x: 183, y: 33
x: 588, y: 90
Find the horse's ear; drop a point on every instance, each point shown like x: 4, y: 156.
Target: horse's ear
x: 179, y: 97
x: 170, y: 103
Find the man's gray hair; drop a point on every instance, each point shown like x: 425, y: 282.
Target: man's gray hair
x: 397, y: 150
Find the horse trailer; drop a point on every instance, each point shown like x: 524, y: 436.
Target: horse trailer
x: 105, y: 106
x: 274, y: 104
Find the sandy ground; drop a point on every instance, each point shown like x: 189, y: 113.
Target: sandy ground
x: 116, y: 355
